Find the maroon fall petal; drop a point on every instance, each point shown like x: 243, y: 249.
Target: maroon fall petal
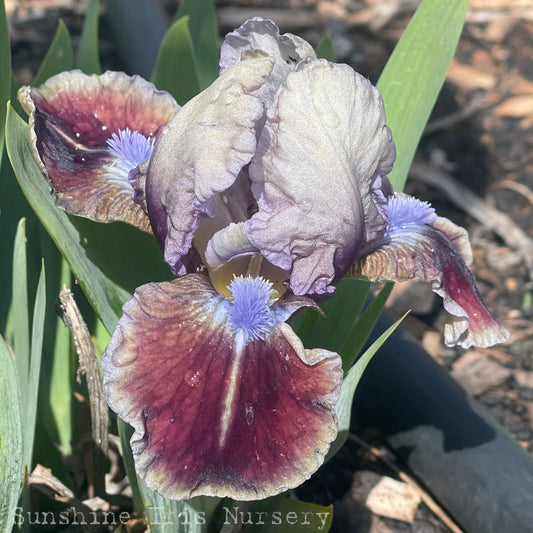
x: 72, y: 117
x: 214, y: 415
x: 432, y: 252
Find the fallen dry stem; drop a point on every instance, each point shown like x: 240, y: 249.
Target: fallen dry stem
x: 493, y: 219
x: 88, y: 365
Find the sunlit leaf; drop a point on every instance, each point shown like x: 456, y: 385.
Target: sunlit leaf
x: 175, y: 69
x: 414, y: 74
x: 60, y: 371
x: 325, y: 48
x: 13, y: 207
x: 362, y: 328
x: 88, y: 59
x: 349, y: 385
x: 58, y: 58
x: 101, y: 338
x: 37, y: 335
x: 20, y: 310
x: 330, y: 331
x: 11, y: 448
x: 204, y: 35
x: 125, y: 431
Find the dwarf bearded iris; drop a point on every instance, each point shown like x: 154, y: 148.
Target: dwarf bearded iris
x: 263, y: 190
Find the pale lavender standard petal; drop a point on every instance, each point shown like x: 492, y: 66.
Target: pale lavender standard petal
x: 201, y: 152
x: 257, y: 33
x: 316, y: 174
x: 89, y: 133
x: 224, y: 399
x: 418, y: 244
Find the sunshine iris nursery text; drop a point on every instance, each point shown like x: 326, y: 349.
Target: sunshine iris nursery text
x: 231, y: 515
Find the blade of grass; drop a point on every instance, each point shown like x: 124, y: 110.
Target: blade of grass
x: 20, y: 310
x: 414, y: 74
x: 135, y: 259
x: 362, y: 328
x: 101, y: 338
x: 11, y: 447
x: 13, y: 207
x: 9, y: 328
x: 331, y: 333
x: 61, y: 374
x: 125, y: 431
x: 88, y: 60
x: 59, y: 56
x: 58, y: 369
x: 176, y: 50
x: 349, y: 385
x: 37, y: 336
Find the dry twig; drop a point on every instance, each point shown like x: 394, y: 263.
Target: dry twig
x: 474, y: 206
x: 520, y: 188
x: 474, y: 106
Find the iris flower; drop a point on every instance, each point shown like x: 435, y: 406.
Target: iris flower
x: 262, y: 191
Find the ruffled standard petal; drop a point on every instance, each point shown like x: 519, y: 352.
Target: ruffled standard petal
x: 215, y: 414
x: 316, y: 172
x: 89, y: 132
x: 418, y: 244
x: 257, y: 33
x: 202, y: 151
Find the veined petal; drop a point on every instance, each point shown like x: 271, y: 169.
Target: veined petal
x: 418, y: 244
x: 316, y: 173
x: 89, y: 132
x: 202, y: 151
x: 216, y: 414
x: 257, y: 33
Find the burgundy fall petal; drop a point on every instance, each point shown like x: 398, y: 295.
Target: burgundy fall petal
x: 433, y: 252
x: 214, y: 415
x: 72, y: 118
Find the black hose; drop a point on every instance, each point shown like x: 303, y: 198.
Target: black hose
x: 468, y: 462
